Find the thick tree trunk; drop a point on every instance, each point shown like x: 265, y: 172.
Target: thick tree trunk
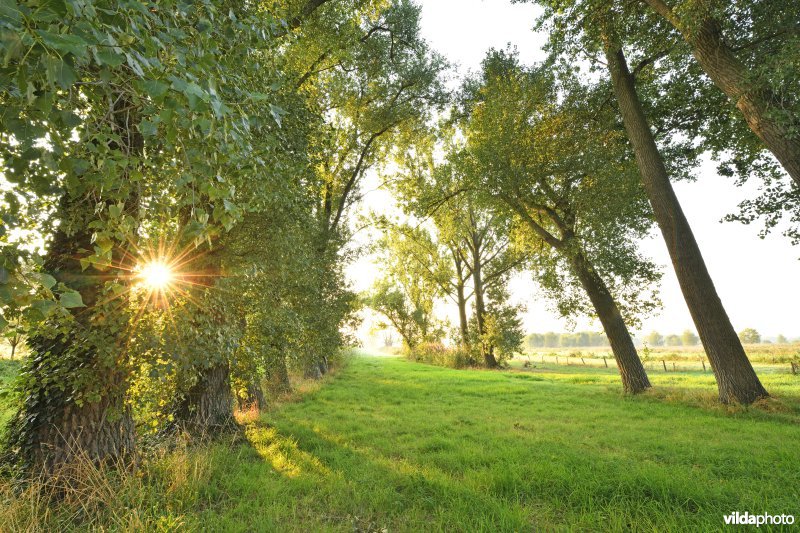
x: 207, y: 407
x: 52, y: 429
x: 631, y: 370
x: 279, y: 377
x: 736, y: 379
x: 756, y: 104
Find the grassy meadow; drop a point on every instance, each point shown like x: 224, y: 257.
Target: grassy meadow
x: 390, y: 445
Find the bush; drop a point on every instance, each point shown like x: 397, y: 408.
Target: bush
x: 436, y: 353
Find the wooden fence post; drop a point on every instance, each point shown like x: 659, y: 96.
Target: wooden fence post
x: 605, y: 362
x: 704, y: 363
x: 665, y: 365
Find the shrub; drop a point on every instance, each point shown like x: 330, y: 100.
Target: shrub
x: 436, y: 353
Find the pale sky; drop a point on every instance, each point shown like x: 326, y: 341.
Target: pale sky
x: 756, y: 279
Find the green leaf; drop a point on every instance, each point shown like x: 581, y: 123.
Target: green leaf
x: 43, y: 306
x: 148, y: 128
x: 59, y: 72
x: 67, y: 43
x: 9, y: 10
x: 3, y: 323
x: 71, y: 299
x: 47, y: 280
x: 277, y: 113
x: 109, y: 57
x: 155, y: 89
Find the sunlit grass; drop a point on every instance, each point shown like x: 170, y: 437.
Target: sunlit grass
x: 392, y: 445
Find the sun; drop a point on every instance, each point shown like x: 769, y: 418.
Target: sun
x: 156, y: 275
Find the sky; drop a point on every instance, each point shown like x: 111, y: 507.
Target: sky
x: 757, y: 279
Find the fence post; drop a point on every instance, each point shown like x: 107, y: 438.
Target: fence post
x: 582, y: 361
x: 673, y: 366
x: 556, y: 359
x: 704, y: 363
x: 665, y: 365
x: 794, y: 368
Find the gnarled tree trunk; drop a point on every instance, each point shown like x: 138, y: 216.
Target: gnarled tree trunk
x: 207, y: 407
x: 736, y: 379
x: 76, y: 385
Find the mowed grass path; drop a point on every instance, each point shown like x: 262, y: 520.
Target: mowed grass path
x: 393, y: 444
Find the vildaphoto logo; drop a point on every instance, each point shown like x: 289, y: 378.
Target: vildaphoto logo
x: 746, y: 519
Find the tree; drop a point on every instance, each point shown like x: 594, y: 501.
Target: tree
x: 781, y: 340
x: 736, y: 378
x: 551, y: 339
x: 654, y: 338
x: 750, y: 336
x: 548, y: 181
x: 372, y: 80
x: 673, y: 340
x: 408, y: 310
x: 104, y: 88
x: 478, y: 240
x: 688, y: 338
x: 754, y: 81
x: 597, y: 27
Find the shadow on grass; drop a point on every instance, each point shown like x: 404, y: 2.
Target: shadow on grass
x: 407, y: 447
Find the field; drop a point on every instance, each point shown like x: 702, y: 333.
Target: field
x: 766, y: 358
x: 390, y: 445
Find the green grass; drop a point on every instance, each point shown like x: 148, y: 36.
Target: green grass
x: 393, y: 445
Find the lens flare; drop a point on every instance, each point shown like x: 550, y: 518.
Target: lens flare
x: 156, y: 275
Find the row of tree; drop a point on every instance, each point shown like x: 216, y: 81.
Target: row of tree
x: 224, y: 142
x: 569, y: 163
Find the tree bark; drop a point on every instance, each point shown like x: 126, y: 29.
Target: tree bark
x: 634, y: 377
x: 756, y: 103
x: 736, y: 379
x: 52, y: 430
x: 207, y: 407
x: 279, y: 377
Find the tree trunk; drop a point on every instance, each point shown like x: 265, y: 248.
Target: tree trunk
x: 462, y: 314
x: 756, y: 104
x: 736, y: 379
x: 631, y: 370
x: 207, y: 407
x: 480, y: 307
x: 312, y: 371
x: 13, y: 350
x: 279, y: 377
x: 252, y: 396
x: 52, y: 429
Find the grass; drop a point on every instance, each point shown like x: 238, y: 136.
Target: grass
x: 391, y: 445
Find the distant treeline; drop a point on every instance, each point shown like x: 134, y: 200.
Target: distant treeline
x: 580, y: 339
